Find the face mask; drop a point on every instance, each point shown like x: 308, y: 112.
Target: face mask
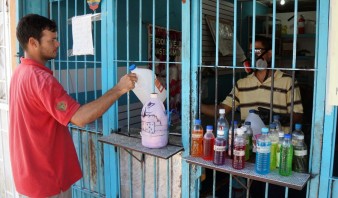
x: 259, y: 65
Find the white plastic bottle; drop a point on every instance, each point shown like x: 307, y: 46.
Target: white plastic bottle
x: 144, y: 86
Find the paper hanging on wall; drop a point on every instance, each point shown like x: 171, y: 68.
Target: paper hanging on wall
x: 82, y: 35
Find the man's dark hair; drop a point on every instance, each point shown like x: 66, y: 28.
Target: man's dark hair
x: 266, y: 42
x: 32, y: 25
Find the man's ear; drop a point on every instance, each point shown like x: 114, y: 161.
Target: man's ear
x: 32, y: 42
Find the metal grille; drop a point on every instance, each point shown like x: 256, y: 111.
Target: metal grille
x: 81, y: 78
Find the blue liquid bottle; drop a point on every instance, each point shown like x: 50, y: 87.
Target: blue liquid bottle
x: 262, y: 165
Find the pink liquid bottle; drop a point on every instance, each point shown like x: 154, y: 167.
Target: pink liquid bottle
x: 238, y: 161
x: 219, y: 148
x: 208, y: 144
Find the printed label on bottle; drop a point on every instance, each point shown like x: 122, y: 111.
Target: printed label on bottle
x: 159, y: 85
x: 196, y: 136
x: 263, y: 149
x: 301, y: 153
x: 239, y: 152
x: 219, y: 148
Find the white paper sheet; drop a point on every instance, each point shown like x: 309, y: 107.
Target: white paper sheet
x: 82, y: 35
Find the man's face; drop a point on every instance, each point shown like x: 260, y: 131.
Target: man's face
x: 48, y: 45
x: 259, y: 50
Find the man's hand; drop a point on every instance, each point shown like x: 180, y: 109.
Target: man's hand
x: 127, y: 82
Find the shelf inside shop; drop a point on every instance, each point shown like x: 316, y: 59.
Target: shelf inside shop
x: 132, y: 142
x: 295, y: 181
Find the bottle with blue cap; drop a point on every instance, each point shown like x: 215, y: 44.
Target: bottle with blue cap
x: 146, y: 85
x: 208, y: 144
x: 297, y: 134
x: 262, y: 165
x: 197, y: 139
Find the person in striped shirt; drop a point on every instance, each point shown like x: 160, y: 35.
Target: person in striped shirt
x: 254, y: 91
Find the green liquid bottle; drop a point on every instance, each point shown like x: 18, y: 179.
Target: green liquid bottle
x: 273, y: 135
x: 286, y: 154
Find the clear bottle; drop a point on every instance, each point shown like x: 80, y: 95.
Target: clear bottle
x: 238, y: 161
x: 197, y: 139
x: 223, y: 125
x: 208, y: 144
x: 299, y: 162
x: 286, y: 154
x: 248, y: 135
x: 277, y: 122
x: 235, y: 126
x: 280, y: 142
x: 296, y: 133
x: 273, y: 135
x: 262, y: 165
x: 219, y: 148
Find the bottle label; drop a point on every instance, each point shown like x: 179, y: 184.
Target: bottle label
x: 159, y: 85
x: 196, y: 136
x: 263, y: 149
x: 300, y: 153
x: 220, y: 132
x: 239, y: 153
x: 219, y: 148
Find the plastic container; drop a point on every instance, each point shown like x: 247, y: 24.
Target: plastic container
x: 154, y: 123
x: 238, y: 161
x: 197, y: 139
x: 144, y: 85
x: 300, y: 162
x: 235, y: 126
x: 280, y: 142
x: 223, y: 125
x: 219, y: 148
x: 286, y: 154
x: 249, y: 136
x: 274, y: 138
x: 297, y: 133
x: 256, y: 122
x: 262, y: 165
x: 208, y: 144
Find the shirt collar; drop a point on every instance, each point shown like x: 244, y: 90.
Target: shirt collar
x: 28, y: 61
x: 277, y: 74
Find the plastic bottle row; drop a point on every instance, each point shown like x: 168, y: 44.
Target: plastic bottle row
x: 273, y: 148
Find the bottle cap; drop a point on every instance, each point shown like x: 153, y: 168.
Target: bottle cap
x: 298, y: 126
x: 276, y: 117
x: 198, y: 121
x: 153, y: 95
x: 235, y: 122
x: 265, y: 130
x: 240, y: 131
x: 252, y: 111
x: 247, y: 123
x: 132, y: 67
x: 221, y: 111
x: 272, y: 125
x: 287, y: 136
x: 210, y: 127
x: 281, y: 134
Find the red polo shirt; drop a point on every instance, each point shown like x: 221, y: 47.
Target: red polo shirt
x: 42, y: 152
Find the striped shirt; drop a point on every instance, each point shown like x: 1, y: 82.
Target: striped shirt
x: 250, y: 93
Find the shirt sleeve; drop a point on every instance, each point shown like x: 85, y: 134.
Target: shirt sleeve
x: 56, y: 101
x: 228, y: 99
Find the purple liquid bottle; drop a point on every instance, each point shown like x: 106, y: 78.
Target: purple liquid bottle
x: 219, y: 148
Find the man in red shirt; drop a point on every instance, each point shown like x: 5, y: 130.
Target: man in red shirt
x: 43, y: 157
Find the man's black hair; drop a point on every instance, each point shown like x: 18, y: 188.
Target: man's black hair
x: 266, y: 42
x: 32, y: 25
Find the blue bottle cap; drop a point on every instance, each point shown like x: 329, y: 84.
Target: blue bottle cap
x: 298, y: 126
x: 132, y: 67
x: 252, y: 111
x: 210, y: 127
x: 198, y: 121
x: 276, y: 117
x: 287, y: 136
x: 235, y: 122
x: 247, y: 123
x: 272, y: 125
x: 265, y: 130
